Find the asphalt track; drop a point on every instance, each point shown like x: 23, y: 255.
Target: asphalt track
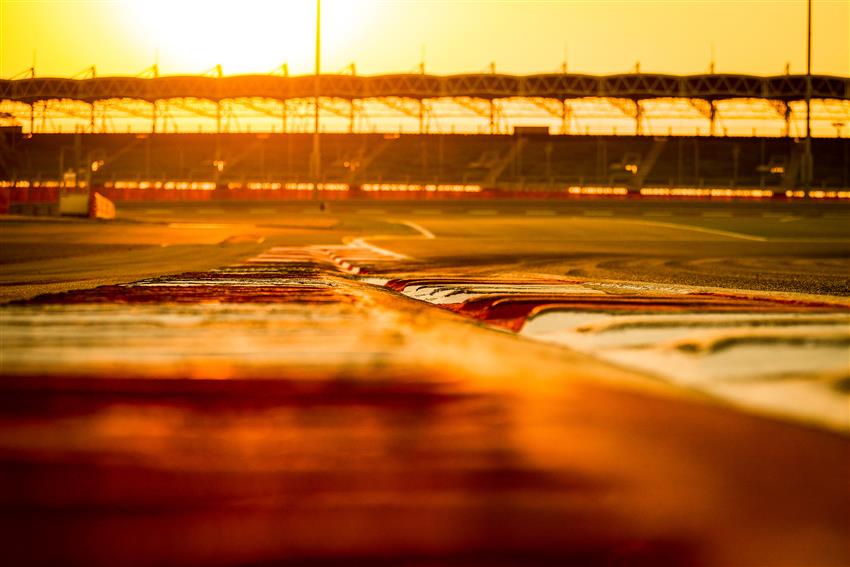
x: 250, y: 400
x: 764, y: 245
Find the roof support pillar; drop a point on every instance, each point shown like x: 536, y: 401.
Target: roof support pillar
x: 807, y: 165
x: 566, y: 114
x: 712, y: 118
x: 638, y: 118
x: 787, y: 116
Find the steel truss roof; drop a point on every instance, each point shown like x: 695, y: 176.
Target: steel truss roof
x: 639, y: 86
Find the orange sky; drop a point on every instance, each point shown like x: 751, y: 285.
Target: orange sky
x: 521, y: 36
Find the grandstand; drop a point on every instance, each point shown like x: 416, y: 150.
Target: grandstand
x: 518, y: 162
x: 127, y: 132
x: 639, y: 103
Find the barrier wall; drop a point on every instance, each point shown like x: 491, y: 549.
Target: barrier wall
x: 100, y: 207
x: 103, y: 198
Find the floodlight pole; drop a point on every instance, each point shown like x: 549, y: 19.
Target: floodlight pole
x: 807, y: 153
x: 317, y: 144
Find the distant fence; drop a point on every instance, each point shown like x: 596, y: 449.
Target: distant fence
x: 43, y: 199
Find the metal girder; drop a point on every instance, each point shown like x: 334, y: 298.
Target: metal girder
x: 490, y: 109
x: 478, y: 106
x: 554, y: 107
x: 708, y: 108
x: 406, y: 106
x: 629, y: 108
x: 704, y: 107
x: 463, y: 112
x: 254, y: 105
x: 559, y: 109
x: 484, y: 94
x: 71, y: 109
x: 635, y: 86
x: 193, y: 106
x: 121, y: 106
x: 742, y: 108
x: 410, y: 107
x: 782, y: 109
x: 336, y: 107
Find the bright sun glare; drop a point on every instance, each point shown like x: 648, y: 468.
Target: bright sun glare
x: 245, y: 36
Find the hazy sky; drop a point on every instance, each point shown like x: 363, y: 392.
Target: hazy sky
x: 520, y: 36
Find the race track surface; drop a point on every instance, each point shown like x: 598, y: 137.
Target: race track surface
x: 427, y: 383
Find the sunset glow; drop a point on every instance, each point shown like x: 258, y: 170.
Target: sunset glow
x: 260, y: 36
x: 384, y: 36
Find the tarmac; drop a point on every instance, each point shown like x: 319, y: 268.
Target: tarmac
x: 406, y: 383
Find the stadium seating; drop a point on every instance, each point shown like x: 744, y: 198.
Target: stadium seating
x: 497, y: 161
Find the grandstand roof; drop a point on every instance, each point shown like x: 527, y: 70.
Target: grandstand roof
x: 635, y: 86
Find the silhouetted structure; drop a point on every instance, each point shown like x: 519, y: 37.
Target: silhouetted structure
x: 410, y: 95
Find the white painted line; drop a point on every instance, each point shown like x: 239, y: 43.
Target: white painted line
x: 261, y: 211
x: 658, y: 214
x: 483, y: 212
x: 716, y: 215
x: 361, y: 243
x: 207, y: 225
x: 371, y: 211
x: 598, y: 213
x: 157, y: 211
x: 427, y: 212
x: 540, y: 213
x: 419, y: 228
x: 353, y: 244
x: 726, y: 233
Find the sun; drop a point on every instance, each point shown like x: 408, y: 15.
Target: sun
x: 243, y: 36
